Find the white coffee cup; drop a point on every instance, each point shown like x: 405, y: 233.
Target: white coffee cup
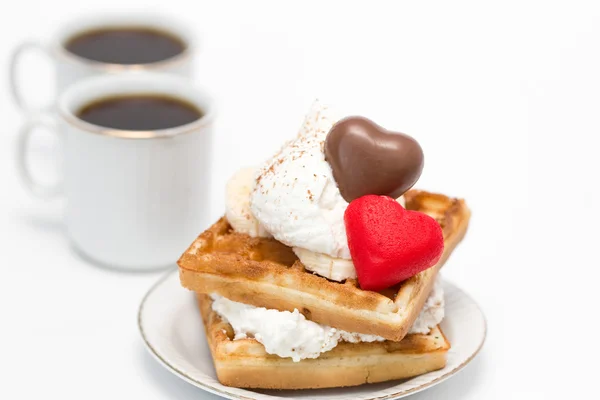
x: 71, y: 68
x: 135, y: 199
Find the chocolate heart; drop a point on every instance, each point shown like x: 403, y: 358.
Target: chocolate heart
x: 368, y: 159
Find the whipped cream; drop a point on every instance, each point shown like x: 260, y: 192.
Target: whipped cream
x: 240, y: 217
x: 290, y: 334
x: 433, y: 310
x: 296, y: 198
x: 284, y: 333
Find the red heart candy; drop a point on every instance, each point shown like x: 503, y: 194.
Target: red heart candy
x: 389, y: 244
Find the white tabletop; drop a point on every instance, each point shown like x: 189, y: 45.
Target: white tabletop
x: 504, y: 99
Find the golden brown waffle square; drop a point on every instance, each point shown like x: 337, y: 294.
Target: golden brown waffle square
x: 245, y: 363
x: 265, y: 273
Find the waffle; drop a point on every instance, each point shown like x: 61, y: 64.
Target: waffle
x: 245, y: 363
x: 265, y: 273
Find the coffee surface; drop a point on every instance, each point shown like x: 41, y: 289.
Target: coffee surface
x: 140, y: 112
x: 125, y: 45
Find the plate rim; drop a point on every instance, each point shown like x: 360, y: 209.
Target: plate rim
x: 174, y: 370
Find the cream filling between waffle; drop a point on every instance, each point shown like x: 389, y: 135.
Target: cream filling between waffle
x: 290, y: 334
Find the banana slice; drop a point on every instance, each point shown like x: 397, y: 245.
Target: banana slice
x: 336, y: 269
x: 237, y: 204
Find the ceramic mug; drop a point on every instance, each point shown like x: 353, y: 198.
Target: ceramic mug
x: 135, y: 199
x: 70, y: 68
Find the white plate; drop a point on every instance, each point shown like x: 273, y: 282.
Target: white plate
x: 172, y: 330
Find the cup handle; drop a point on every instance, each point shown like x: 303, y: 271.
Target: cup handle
x: 44, y: 191
x: 17, y: 54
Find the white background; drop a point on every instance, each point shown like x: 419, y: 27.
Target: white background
x: 504, y: 98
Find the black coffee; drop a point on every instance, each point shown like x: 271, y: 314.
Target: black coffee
x: 140, y: 112
x: 125, y: 45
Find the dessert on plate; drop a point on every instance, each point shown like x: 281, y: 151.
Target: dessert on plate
x: 324, y: 270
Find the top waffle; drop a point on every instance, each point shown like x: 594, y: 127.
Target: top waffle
x: 265, y: 273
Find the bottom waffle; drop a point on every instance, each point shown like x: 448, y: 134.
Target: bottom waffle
x: 245, y: 363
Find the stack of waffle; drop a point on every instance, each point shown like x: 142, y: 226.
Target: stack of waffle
x: 263, y: 272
